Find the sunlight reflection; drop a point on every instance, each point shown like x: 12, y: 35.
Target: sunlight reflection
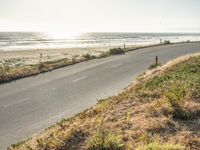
x: 63, y: 34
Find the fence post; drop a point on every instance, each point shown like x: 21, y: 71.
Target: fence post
x: 40, y: 60
x: 156, y: 59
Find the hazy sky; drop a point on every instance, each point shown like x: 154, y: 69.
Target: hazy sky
x: 100, y: 15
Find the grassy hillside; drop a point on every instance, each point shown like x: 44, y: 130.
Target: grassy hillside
x: 160, y: 111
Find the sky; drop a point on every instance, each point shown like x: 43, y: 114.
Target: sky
x: 100, y: 15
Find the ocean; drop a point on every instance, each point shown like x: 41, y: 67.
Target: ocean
x: 36, y: 40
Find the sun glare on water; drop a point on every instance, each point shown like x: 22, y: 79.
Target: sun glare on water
x: 63, y: 34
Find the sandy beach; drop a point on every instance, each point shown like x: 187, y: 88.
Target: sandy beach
x: 29, y: 57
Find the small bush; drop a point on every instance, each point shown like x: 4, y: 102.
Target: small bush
x: 104, y: 54
x: 154, y: 65
x: 157, y: 146
x: 188, y: 41
x: 42, y: 67
x: 176, y: 97
x: 104, y: 140
x: 145, y: 138
x: 2, y: 72
x: 7, y: 68
x: 176, y: 94
x: 128, y: 117
x: 116, y: 51
x: 167, y: 42
x: 88, y: 56
x: 181, y: 113
x: 73, y: 139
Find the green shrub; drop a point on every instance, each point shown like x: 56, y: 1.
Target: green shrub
x: 74, y: 138
x: 176, y: 94
x: 176, y: 97
x: 104, y: 54
x: 167, y: 42
x: 188, y: 41
x: 41, y: 66
x: 181, y: 113
x: 196, y: 91
x: 88, y: 56
x: 157, y: 146
x: 2, y: 72
x: 154, y: 65
x: 7, y: 68
x: 104, y: 140
x: 116, y: 51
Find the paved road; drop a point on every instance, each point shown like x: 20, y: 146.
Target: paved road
x: 29, y: 105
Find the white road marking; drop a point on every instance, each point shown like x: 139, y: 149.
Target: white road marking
x: 78, y: 79
x: 117, y: 65
x: 15, y: 103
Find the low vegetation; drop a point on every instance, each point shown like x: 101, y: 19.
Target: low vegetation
x: 116, y: 51
x: 167, y: 42
x: 89, y: 56
x: 160, y: 111
x: 157, y: 146
x: 104, y: 140
x: 9, y: 73
x: 104, y: 54
x: 154, y: 65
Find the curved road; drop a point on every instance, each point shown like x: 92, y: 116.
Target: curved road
x: 29, y: 105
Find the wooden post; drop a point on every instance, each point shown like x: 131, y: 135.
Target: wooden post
x: 156, y: 59
x: 124, y: 46
x: 40, y: 60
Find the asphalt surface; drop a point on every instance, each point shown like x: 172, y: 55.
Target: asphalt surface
x: 29, y: 105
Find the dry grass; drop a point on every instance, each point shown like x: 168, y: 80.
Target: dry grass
x: 141, y: 117
x: 9, y: 73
